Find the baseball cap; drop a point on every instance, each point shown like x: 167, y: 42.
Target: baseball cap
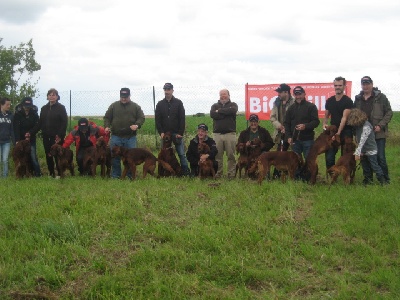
x: 125, y: 93
x: 298, y: 90
x: 168, y: 86
x: 253, y: 117
x: 83, y: 124
x: 283, y: 88
x: 366, y: 79
x: 202, y: 126
x: 27, y: 102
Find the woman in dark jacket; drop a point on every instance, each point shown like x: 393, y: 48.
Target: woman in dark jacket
x: 192, y: 153
x: 53, y: 122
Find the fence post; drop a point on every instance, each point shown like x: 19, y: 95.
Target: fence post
x: 70, y: 110
x: 155, y: 125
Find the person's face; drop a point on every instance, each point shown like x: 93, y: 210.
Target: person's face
x: 224, y: 96
x: 367, y: 87
x: 125, y: 99
x: 284, y: 95
x: 299, y: 97
x: 339, y: 87
x: 6, y: 106
x: 201, y: 133
x: 52, y: 97
x: 168, y: 93
x: 26, y: 108
x: 253, y: 125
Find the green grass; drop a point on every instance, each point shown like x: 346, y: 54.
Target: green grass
x: 85, y: 238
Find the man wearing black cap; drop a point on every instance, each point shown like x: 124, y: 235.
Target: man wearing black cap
x: 123, y: 118
x: 170, y: 117
x: 300, y: 121
x: 379, y: 112
x: 223, y: 114
x: 192, y: 153
x: 337, y: 108
x: 84, y: 135
x: 256, y: 131
x: 25, y: 118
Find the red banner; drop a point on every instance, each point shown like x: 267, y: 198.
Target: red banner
x: 260, y: 98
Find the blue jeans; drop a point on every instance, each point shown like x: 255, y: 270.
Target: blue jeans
x: 116, y: 161
x: 35, y: 161
x: 4, y: 153
x: 370, y: 163
x: 302, y: 147
x: 381, y: 156
x: 180, y: 149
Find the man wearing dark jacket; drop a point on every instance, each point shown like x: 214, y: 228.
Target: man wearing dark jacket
x: 379, y: 112
x: 300, y: 122
x: 170, y: 117
x: 193, y: 155
x: 25, y: 118
x: 223, y: 114
x: 256, y: 131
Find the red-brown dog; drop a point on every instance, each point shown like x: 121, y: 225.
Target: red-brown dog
x: 206, y: 168
x: 346, y: 164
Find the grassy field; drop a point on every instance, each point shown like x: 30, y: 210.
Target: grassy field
x: 84, y: 238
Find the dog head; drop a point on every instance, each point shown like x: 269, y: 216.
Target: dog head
x: 255, y: 143
x: 241, y: 148
x: 116, y: 151
x: 167, y: 140
x: 203, y: 148
x: 100, y: 142
x: 56, y: 150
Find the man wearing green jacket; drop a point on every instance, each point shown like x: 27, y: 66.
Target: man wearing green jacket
x: 123, y: 118
x: 379, y: 112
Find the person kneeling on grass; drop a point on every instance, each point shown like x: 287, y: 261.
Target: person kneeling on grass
x: 367, y: 148
x: 192, y: 153
x: 84, y: 135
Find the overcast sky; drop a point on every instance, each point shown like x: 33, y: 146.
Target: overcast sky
x: 104, y: 45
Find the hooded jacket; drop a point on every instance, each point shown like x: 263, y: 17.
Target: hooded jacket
x: 381, y: 111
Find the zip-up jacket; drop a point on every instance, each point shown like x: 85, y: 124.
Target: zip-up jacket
x: 224, y: 121
x: 23, y: 122
x: 301, y: 113
x: 264, y: 136
x: 381, y: 112
x: 120, y: 116
x: 53, y: 120
x: 170, y: 116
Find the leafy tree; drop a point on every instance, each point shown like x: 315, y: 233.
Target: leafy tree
x: 17, y: 65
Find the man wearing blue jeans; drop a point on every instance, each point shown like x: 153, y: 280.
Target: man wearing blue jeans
x: 123, y: 118
x: 300, y: 121
x: 379, y: 112
x: 170, y: 117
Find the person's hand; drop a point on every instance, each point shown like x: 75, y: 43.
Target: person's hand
x: 377, y: 128
x: 203, y: 157
x: 289, y: 140
x: 357, y: 157
x: 134, y: 127
x: 300, y: 127
x: 57, y: 139
x: 248, y: 143
x: 178, y: 136
x: 162, y: 135
x: 27, y: 135
x: 107, y: 130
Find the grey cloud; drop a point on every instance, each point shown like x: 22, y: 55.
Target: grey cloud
x: 22, y: 11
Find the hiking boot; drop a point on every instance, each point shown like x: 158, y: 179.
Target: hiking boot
x: 367, y: 181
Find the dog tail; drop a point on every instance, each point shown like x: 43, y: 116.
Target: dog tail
x: 166, y: 166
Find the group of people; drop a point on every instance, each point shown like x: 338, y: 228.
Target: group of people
x: 293, y: 117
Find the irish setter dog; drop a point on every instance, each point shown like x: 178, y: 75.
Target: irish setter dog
x: 243, y: 160
x: 254, y: 151
x: 64, y: 157
x: 284, y: 161
x: 167, y: 154
x: 102, y: 157
x: 206, y: 167
x: 322, y: 144
x: 131, y: 157
x: 22, y: 159
x: 346, y: 164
